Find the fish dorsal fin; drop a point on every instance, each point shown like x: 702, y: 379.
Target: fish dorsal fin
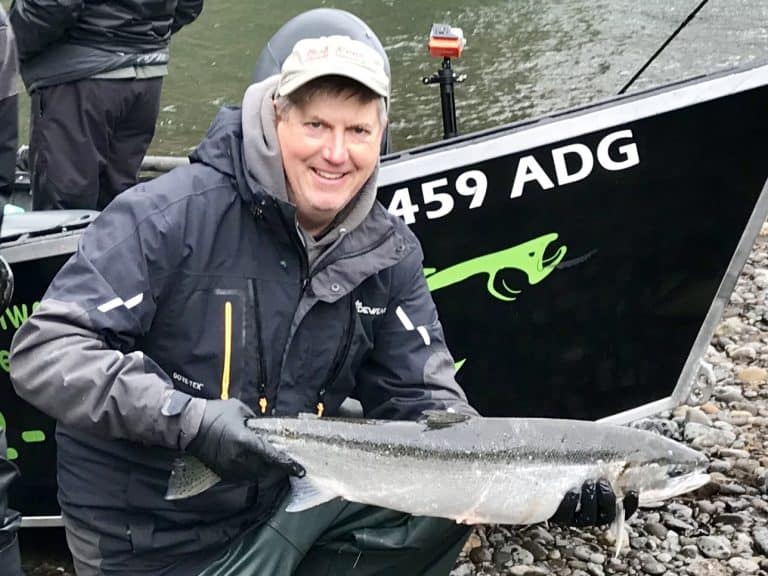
x: 437, y: 419
x: 305, y: 495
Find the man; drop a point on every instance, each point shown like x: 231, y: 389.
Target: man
x: 94, y: 72
x: 229, y: 289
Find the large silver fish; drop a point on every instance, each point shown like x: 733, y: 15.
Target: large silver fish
x: 470, y: 469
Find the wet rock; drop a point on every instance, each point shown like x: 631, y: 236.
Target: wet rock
x: 472, y: 542
x: 595, y: 569
x: 656, y: 529
x: 463, y: 570
x: 697, y: 416
x: 743, y: 565
x: 752, y: 375
x: 690, y: 551
x: 667, y: 428
x: 728, y: 393
x: 501, y: 557
x: 480, y: 555
x: 652, y: 566
x: 520, y: 555
x: 527, y: 571
x: 735, y: 520
x: 714, y: 546
x: 538, y: 551
x: 760, y: 538
x: 707, y: 567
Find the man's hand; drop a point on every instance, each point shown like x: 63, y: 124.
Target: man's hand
x: 593, y: 505
x: 234, y: 452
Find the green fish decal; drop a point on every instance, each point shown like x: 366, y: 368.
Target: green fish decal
x: 527, y: 257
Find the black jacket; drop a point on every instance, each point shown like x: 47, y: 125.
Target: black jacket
x: 65, y: 40
x: 198, y: 282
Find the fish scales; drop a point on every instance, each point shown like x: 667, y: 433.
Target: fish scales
x: 470, y: 469
x: 481, y: 470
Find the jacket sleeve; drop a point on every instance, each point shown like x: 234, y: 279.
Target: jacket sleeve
x: 410, y: 369
x: 74, y: 358
x: 186, y: 13
x: 38, y: 23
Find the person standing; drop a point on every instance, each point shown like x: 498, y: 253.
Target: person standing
x: 9, y: 108
x: 94, y: 72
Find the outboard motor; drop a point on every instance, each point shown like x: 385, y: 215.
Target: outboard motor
x: 313, y: 24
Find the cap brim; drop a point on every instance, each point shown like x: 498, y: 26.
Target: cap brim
x: 292, y: 84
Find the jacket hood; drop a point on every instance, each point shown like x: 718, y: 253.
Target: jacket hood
x: 222, y: 140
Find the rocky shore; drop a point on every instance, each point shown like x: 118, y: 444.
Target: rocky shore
x: 721, y: 530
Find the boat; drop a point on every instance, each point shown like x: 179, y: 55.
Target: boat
x: 580, y: 261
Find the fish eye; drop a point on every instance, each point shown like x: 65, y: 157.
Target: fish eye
x: 675, y: 471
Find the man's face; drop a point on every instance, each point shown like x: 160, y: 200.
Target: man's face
x: 330, y: 147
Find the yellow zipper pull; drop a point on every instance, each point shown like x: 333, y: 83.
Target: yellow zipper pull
x: 263, y: 404
x: 320, y: 409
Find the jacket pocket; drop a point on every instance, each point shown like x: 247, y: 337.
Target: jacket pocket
x: 200, y: 344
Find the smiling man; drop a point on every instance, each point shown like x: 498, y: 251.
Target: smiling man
x: 263, y: 279
x: 226, y: 290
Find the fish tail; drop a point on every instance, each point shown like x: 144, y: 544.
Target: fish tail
x: 189, y: 477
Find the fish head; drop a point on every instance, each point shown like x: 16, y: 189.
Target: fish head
x: 671, y: 469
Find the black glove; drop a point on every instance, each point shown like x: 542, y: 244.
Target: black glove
x: 233, y: 451
x: 593, y: 505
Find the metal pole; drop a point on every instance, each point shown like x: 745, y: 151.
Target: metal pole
x: 447, y: 99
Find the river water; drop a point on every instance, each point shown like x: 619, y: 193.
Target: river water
x: 522, y: 57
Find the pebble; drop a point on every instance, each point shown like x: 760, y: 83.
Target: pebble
x: 744, y: 565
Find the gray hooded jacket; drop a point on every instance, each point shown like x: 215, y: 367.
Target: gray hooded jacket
x: 199, y: 281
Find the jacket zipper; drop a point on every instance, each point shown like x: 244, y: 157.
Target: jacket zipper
x: 262, y: 375
x: 343, y: 350
x: 227, y: 367
x: 341, y: 355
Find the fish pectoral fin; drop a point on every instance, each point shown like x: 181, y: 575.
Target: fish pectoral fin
x: 305, y: 495
x: 618, y: 527
x: 437, y: 419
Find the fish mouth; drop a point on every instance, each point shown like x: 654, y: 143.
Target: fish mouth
x: 553, y: 260
x: 676, y: 486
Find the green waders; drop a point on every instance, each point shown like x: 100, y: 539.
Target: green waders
x: 344, y: 538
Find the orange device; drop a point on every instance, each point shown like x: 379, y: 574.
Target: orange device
x: 445, y: 41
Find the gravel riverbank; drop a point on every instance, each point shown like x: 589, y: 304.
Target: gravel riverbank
x: 721, y: 530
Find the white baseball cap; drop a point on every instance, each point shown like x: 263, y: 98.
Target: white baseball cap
x: 333, y: 55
